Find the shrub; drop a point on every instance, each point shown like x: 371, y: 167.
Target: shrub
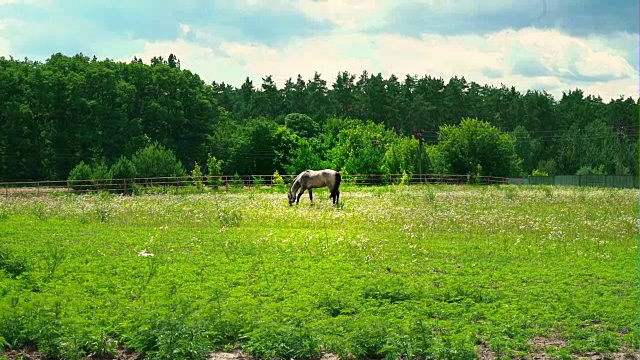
x: 278, y: 182
x: 157, y: 161
x: 549, y: 167
x: 258, y: 180
x: 123, y: 171
x: 214, y: 168
x: 537, y: 172
x: 79, y: 177
x: 100, y: 175
x: 588, y: 170
x: 236, y: 180
x: 196, y: 176
x: 405, y: 178
x: 13, y: 265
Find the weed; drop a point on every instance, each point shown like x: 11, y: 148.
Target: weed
x: 13, y: 265
x: 102, y: 212
x: 510, y: 192
x: 54, y: 256
x: 430, y: 197
x: 41, y: 212
x: 292, y: 339
x: 258, y: 181
x: 229, y: 216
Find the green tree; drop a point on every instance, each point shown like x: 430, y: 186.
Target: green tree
x: 474, y: 143
x: 525, y: 147
x: 302, y: 125
x: 361, y: 148
x: 305, y: 156
x: 405, y: 155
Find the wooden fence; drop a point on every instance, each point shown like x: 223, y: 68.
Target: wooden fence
x: 617, y: 181
x: 128, y: 186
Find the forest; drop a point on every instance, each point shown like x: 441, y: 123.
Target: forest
x: 117, y: 119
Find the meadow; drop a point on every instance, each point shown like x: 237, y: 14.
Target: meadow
x: 437, y: 271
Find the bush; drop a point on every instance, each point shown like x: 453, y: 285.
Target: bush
x: 258, y: 180
x: 214, y: 168
x: 157, y: 161
x: 124, y: 171
x: 278, y: 181
x: 537, y: 172
x: 549, y: 167
x: 588, y: 170
x: 79, y: 177
x: 196, y: 176
x: 100, y: 175
x: 13, y: 265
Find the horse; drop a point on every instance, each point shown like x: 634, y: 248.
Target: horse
x: 313, y: 179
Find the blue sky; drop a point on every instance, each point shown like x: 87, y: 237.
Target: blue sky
x: 555, y: 45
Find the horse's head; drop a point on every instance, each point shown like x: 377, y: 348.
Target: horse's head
x: 292, y: 198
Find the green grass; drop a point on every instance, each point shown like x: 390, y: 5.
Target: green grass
x: 437, y: 272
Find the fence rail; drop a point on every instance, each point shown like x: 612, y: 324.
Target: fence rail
x: 128, y: 186
x: 617, y: 181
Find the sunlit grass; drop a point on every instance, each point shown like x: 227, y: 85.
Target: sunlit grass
x: 442, y: 271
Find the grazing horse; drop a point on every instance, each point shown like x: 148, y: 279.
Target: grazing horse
x: 312, y: 179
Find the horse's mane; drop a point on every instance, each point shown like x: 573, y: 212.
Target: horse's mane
x: 295, y: 180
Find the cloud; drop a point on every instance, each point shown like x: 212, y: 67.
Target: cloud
x: 492, y: 43
x: 530, y: 67
x: 343, y: 15
x: 578, y: 18
x: 526, y: 59
x: 24, y: 2
x: 149, y: 20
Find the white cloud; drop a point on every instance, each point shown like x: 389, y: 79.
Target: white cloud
x: 469, y: 56
x: 7, y: 25
x: 347, y: 15
x: 5, y: 47
x: 26, y: 2
x: 184, y: 30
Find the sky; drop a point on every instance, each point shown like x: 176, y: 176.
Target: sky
x: 551, y: 45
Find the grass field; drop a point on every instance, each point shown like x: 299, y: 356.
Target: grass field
x: 455, y: 272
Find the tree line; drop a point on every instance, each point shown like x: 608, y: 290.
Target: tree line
x: 69, y: 110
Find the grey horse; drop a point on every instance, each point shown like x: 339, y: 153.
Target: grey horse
x: 313, y: 179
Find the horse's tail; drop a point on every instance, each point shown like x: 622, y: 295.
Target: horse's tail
x: 338, y: 180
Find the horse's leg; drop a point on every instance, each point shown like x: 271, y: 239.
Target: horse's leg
x: 299, y: 195
x: 311, y: 196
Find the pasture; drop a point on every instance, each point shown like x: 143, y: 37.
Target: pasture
x: 444, y: 272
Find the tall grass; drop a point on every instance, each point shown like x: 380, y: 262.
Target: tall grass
x: 398, y: 271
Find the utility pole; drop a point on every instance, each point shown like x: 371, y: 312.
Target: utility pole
x: 420, y: 137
